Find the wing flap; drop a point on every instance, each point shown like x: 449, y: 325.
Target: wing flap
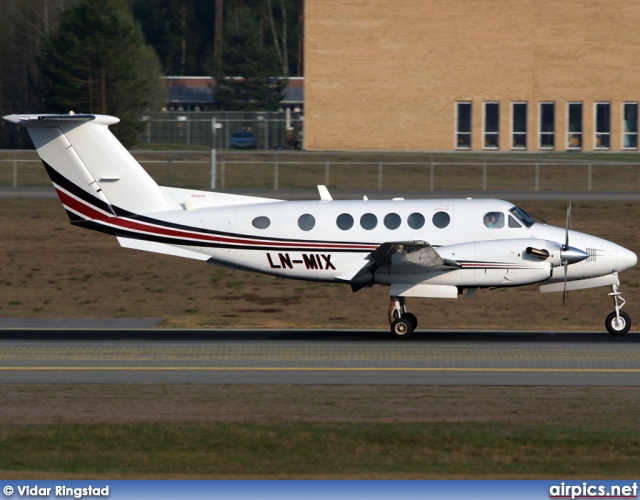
x: 401, y: 255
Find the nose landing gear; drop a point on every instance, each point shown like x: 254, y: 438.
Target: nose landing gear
x: 402, y: 323
x: 618, y: 322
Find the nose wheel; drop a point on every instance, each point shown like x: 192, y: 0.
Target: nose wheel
x: 618, y: 322
x: 402, y: 323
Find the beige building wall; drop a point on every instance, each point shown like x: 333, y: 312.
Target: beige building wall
x: 386, y: 75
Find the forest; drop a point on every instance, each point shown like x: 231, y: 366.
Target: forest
x: 108, y: 56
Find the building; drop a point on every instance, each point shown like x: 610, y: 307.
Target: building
x: 472, y: 75
x: 194, y: 93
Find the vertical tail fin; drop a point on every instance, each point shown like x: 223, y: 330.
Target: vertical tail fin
x: 90, y: 169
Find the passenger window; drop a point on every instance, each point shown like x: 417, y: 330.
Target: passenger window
x: 513, y: 222
x: 261, y: 222
x: 392, y: 221
x: 441, y: 219
x: 368, y: 221
x: 494, y: 220
x: 306, y: 222
x: 415, y: 220
x: 344, y: 222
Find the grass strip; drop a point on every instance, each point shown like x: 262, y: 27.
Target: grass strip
x: 321, y: 449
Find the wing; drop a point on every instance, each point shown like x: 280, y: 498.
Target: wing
x: 403, y: 256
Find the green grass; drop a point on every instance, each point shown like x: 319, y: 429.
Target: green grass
x: 316, y: 449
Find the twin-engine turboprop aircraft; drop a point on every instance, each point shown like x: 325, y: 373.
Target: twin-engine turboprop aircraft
x: 418, y: 248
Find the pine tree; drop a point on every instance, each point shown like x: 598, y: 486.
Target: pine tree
x: 98, y: 62
x: 246, y: 79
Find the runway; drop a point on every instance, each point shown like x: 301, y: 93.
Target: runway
x: 318, y: 357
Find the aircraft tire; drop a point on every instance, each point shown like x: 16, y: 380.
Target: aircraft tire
x: 618, y: 329
x: 401, y: 328
x: 413, y: 319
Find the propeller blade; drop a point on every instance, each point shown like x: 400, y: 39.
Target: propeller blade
x: 565, y: 261
x: 567, y: 227
x: 564, y: 291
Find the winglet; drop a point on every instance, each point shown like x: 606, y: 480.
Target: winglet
x: 324, y: 193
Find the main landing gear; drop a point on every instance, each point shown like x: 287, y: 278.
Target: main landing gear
x: 403, y: 323
x: 618, y: 322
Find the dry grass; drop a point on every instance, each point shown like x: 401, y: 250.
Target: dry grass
x: 51, y: 269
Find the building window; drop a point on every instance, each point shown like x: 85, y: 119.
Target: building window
x: 491, y: 125
x: 463, y: 125
x: 574, y: 125
x: 519, y: 125
x: 547, y: 125
x: 603, y: 125
x: 630, y: 125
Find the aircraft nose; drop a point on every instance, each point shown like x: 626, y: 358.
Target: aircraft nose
x: 626, y: 259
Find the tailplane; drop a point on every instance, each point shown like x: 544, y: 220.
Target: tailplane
x: 94, y: 175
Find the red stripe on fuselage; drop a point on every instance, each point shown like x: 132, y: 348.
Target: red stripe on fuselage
x: 91, y: 213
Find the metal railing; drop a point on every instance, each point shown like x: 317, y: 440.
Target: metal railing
x: 210, y: 169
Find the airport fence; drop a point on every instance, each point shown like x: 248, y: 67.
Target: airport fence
x: 410, y: 172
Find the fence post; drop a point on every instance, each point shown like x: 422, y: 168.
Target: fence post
x: 222, y: 173
x: 326, y: 173
x: 431, y: 172
x: 484, y: 172
x: 537, y: 182
x: 276, y: 180
x: 379, y: 176
x: 589, y: 177
x: 213, y: 169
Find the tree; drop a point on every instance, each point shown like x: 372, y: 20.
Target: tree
x: 23, y: 24
x: 246, y: 77
x: 98, y: 62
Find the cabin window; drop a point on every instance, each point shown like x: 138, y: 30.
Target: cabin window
x: 261, y: 222
x: 344, y: 222
x: 441, y: 219
x: 392, y: 221
x: 306, y: 222
x: 368, y: 221
x: 415, y: 220
x: 522, y: 216
x: 513, y: 222
x: 494, y: 220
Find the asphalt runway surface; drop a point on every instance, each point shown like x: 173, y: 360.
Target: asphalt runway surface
x: 37, y: 355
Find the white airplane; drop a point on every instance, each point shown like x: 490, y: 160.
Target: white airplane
x: 418, y: 248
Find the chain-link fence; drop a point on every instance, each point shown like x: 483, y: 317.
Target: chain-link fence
x: 356, y: 171
x: 271, y: 130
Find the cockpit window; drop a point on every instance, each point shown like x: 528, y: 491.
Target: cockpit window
x: 513, y: 223
x: 522, y: 216
x: 494, y: 220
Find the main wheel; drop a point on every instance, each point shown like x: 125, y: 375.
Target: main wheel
x: 413, y: 319
x: 401, y: 328
x: 617, y: 326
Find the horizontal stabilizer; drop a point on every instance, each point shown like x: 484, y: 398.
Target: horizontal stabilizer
x: 152, y: 246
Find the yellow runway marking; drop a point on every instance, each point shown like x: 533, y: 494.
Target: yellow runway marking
x: 312, y: 369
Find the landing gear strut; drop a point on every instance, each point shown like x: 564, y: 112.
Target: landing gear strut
x: 618, y: 322
x: 402, y: 322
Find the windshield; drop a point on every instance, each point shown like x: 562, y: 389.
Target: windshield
x: 522, y: 216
